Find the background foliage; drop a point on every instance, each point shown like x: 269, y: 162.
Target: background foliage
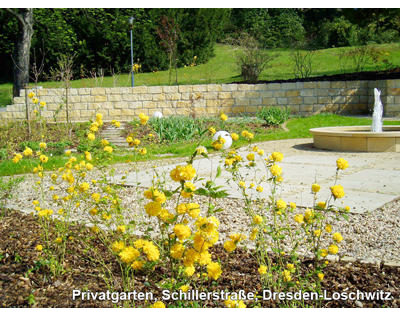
x: 100, y: 37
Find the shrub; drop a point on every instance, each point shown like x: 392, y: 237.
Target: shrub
x: 251, y: 59
x: 302, y: 63
x: 273, y: 115
x: 58, y: 148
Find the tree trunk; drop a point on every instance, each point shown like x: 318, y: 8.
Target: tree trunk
x: 21, y: 64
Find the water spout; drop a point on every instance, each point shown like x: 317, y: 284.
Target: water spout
x: 377, y: 114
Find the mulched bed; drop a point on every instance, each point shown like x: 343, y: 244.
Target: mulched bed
x: 362, y: 75
x: 20, y: 234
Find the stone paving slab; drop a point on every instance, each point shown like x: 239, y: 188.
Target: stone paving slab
x: 371, y: 180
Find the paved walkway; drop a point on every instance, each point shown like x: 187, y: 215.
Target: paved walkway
x: 370, y: 181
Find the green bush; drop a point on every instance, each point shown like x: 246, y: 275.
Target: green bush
x: 32, y: 145
x: 273, y: 115
x: 58, y: 148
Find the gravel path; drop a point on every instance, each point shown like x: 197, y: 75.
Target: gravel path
x: 369, y: 236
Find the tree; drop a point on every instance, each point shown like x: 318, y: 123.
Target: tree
x: 22, y: 51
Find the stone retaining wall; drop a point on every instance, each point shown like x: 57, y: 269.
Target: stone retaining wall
x: 303, y: 98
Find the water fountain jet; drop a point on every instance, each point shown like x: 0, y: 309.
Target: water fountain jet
x: 374, y: 138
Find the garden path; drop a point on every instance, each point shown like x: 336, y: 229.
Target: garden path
x: 370, y: 181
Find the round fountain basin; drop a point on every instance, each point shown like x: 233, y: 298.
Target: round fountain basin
x: 357, y: 138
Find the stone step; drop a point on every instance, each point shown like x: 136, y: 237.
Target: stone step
x: 114, y: 135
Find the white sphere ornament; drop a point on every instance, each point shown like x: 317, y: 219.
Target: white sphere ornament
x: 157, y: 114
x: 225, y: 135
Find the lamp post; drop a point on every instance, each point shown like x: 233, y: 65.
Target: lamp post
x: 131, y: 19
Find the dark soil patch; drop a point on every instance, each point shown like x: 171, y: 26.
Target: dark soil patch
x: 363, y: 75
x: 21, y: 285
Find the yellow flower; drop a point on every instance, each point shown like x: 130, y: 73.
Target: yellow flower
x: 299, y: 218
x: 91, y: 136
x: 58, y: 240
x: 234, y: 304
x: 99, y: 116
x: 292, y: 205
x: 43, y: 158
x: 223, y: 117
x: 129, y: 254
x: 308, y: 215
x: 151, y: 251
x: 143, y: 118
x: 83, y: 187
x: 42, y: 104
x: 242, y: 184
x: 342, y: 164
x: 262, y: 269
x: 234, y: 136
x: 182, y: 231
x: 35, y: 100
x: 108, y: 149
x: 247, y: 135
x: 286, y: 276
x: 321, y: 204
x: 121, y: 229
x: 201, y: 150
x: 250, y: 157
x: 214, y: 270
x: 183, y: 173
x: 137, y: 265
x: 27, y: 152
x: 17, y: 158
x: 158, y: 304
x: 94, y: 127
x: 328, y: 228
x: 229, y: 246
x: 143, y: 151
x: 184, y: 288
x: 337, y: 237
x: 153, y: 208
x: 276, y: 156
x: 257, y: 219
x: 317, y: 232
x: 31, y: 95
x: 42, y: 145
x: 321, y: 276
x: 315, y: 187
x: 67, y: 152
x: 88, y: 156
x: 39, y: 247
x: 275, y: 170
x: 177, y: 251
x: 93, y: 211
x: 324, y: 252
x: 117, y: 124
x: 212, y: 130
x: 204, y: 258
x: 333, y: 249
x: 337, y: 191
x: 189, y: 270
x: 260, y: 189
x: 280, y: 204
x: 117, y: 246
x: 253, y: 234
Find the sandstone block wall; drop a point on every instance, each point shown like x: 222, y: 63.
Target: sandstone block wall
x: 302, y: 98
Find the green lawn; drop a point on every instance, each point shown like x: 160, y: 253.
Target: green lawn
x: 223, y: 69
x: 298, y: 128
